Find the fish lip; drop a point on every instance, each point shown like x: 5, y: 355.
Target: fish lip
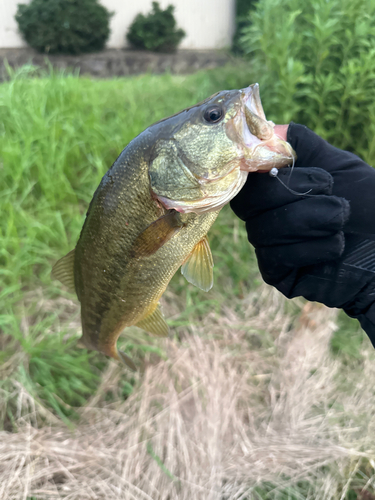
x: 252, y: 104
x: 251, y: 98
x: 279, y: 153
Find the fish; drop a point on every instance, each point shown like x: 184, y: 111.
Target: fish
x: 152, y: 210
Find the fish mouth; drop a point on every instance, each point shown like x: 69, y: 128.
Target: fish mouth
x: 256, y: 147
x: 262, y: 149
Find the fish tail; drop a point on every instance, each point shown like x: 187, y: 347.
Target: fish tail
x: 111, y: 350
x: 127, y: 360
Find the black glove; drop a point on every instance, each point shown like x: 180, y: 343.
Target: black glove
x: 320, y: 245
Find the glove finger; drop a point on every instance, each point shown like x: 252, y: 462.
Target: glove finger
x: 273, y: 261
x: 306, y: 219
x: 312, y: 149
x: 262, y: 192
x: 354, y: 179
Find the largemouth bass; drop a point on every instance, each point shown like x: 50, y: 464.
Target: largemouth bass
x: 153, y: 208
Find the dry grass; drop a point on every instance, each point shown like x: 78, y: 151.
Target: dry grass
x: 213, y: 421
x: 249, y: 403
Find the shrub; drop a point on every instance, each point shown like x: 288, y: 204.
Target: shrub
x: 64, y: 26
x: 315, y: 62
x: 243, y: 19
x: 156, y: 31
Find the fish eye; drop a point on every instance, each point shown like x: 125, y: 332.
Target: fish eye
x: 213, y: 114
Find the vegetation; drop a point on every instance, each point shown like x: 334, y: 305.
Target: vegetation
x: 156, y: 31
x: 64, y: 26
x: 315, y: 65
x: 59, y: 135
x: 243, y: 19
x: 226, y: 400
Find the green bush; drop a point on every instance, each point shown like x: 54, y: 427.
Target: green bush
x: 315, y: 62
x: 243, y: 19
x: 156, y: 31
x: 64, y: 26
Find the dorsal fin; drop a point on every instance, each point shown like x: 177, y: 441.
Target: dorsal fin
x: 155, y: 323
x: 197, y: 269
x: 63, y: 270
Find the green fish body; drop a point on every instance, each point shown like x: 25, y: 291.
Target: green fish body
x: 152, y: 210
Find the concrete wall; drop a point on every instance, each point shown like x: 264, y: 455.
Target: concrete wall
x: 209, y: 24
x: 9, y: 36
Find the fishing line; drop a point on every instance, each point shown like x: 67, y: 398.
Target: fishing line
x: 289, y: 147
x: 275, y: 173
x: 294, y: 161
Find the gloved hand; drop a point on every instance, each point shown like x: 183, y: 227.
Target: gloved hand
x: 320, y: 245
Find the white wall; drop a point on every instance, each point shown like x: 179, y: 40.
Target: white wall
x: 9, y: 36
x: 209, y: 24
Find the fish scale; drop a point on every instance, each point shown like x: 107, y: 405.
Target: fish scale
x: 152, y: 210
x: 116, y: 295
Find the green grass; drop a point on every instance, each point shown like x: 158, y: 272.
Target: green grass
x: 347, y: 340
x: 58, y: 136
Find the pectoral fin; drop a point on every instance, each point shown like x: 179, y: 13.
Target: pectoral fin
x: 156, y: 235
x: 155, y: 323
x: 198, y: 267
x: 63, y: 271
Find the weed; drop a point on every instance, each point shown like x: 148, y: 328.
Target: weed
x: 245, y: 402
x: 58, y: 135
